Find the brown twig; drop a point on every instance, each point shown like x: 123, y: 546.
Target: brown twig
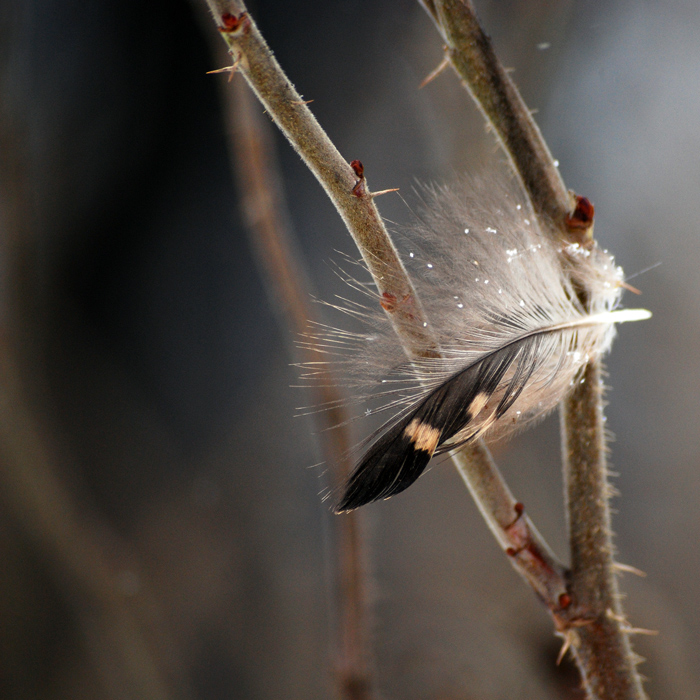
x: 272, y: 240
x: 354, y: 202
x: 601, y: 646
x: 473, y: 57
x: 344, y: 183
x: 595, y: 627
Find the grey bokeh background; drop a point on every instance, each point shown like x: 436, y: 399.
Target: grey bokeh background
x: 150, y: 359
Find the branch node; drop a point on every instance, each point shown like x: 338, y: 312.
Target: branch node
x: 233, y: 24
x: 360, y: 188
x: 579, y: 223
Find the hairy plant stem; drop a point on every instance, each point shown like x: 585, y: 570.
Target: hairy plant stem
x: 272, y: 240
x: 596, y: 626
x: 512, y: 528
x: 472, y: 55
x: 349, y: 193
x: 345, y: 186
x: 601, y: 642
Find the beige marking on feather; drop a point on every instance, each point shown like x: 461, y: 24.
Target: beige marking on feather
x: 480, y: 400
x: 422, y: 436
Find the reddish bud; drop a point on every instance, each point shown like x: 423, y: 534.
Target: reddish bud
x: 388, y: 302
x: 582, y: 216
x: 232, y: 23
x: 358, y: 168
x: 564, y: 600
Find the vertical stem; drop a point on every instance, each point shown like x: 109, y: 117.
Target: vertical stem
x: 595, y: 626
x: 600, y: 643
x: 272, y: 240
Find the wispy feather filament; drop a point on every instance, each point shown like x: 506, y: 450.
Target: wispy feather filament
x: 504, y: 302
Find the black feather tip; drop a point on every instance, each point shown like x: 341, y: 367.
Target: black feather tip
x: 399, y: 456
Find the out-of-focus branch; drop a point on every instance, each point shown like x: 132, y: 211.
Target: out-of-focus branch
x: 87, y: 559
x: 595, y: 625
x: 261, y: 192
x: 347, y: 189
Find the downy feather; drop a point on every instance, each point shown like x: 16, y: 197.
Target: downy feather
x: 502, y: 302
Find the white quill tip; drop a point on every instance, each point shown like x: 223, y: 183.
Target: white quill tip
x: 624, y: 315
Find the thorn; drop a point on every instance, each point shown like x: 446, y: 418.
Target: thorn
x: 640, y: 630
x: 376, y: 194
x: 302, y: 102
x: 227, y: 69
x: 564, y: 647
x: 434, y: 74
x: 614, y: 616
x: 630, y: 288
x: 629, y: 569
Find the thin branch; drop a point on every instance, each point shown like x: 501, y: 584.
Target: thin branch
x: 512, y: 528
x: 601, y: 646
x: 473, y: 57
x: 347, y: 188
x: 344, y: 183
x: 275, y: 250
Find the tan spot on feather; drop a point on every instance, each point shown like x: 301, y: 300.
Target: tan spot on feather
x: 478, y: 403
x: 423, y: 436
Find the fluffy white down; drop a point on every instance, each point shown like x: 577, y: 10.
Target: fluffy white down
x: 487, y: 277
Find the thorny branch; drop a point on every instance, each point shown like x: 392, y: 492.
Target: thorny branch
x: 601, y: 646
x: 599, y: 637
x: 472, y: 55
x: 344, y: 183
x: 347, y: 188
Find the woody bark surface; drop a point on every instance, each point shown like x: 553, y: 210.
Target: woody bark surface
x: 599, y: 637
x: 472, y: 55
x: 600, y: 645
x: 347, y: 188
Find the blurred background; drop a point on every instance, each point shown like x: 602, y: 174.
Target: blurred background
x: 161, y: 529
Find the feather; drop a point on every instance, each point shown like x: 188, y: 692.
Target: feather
x: 503, y: 302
